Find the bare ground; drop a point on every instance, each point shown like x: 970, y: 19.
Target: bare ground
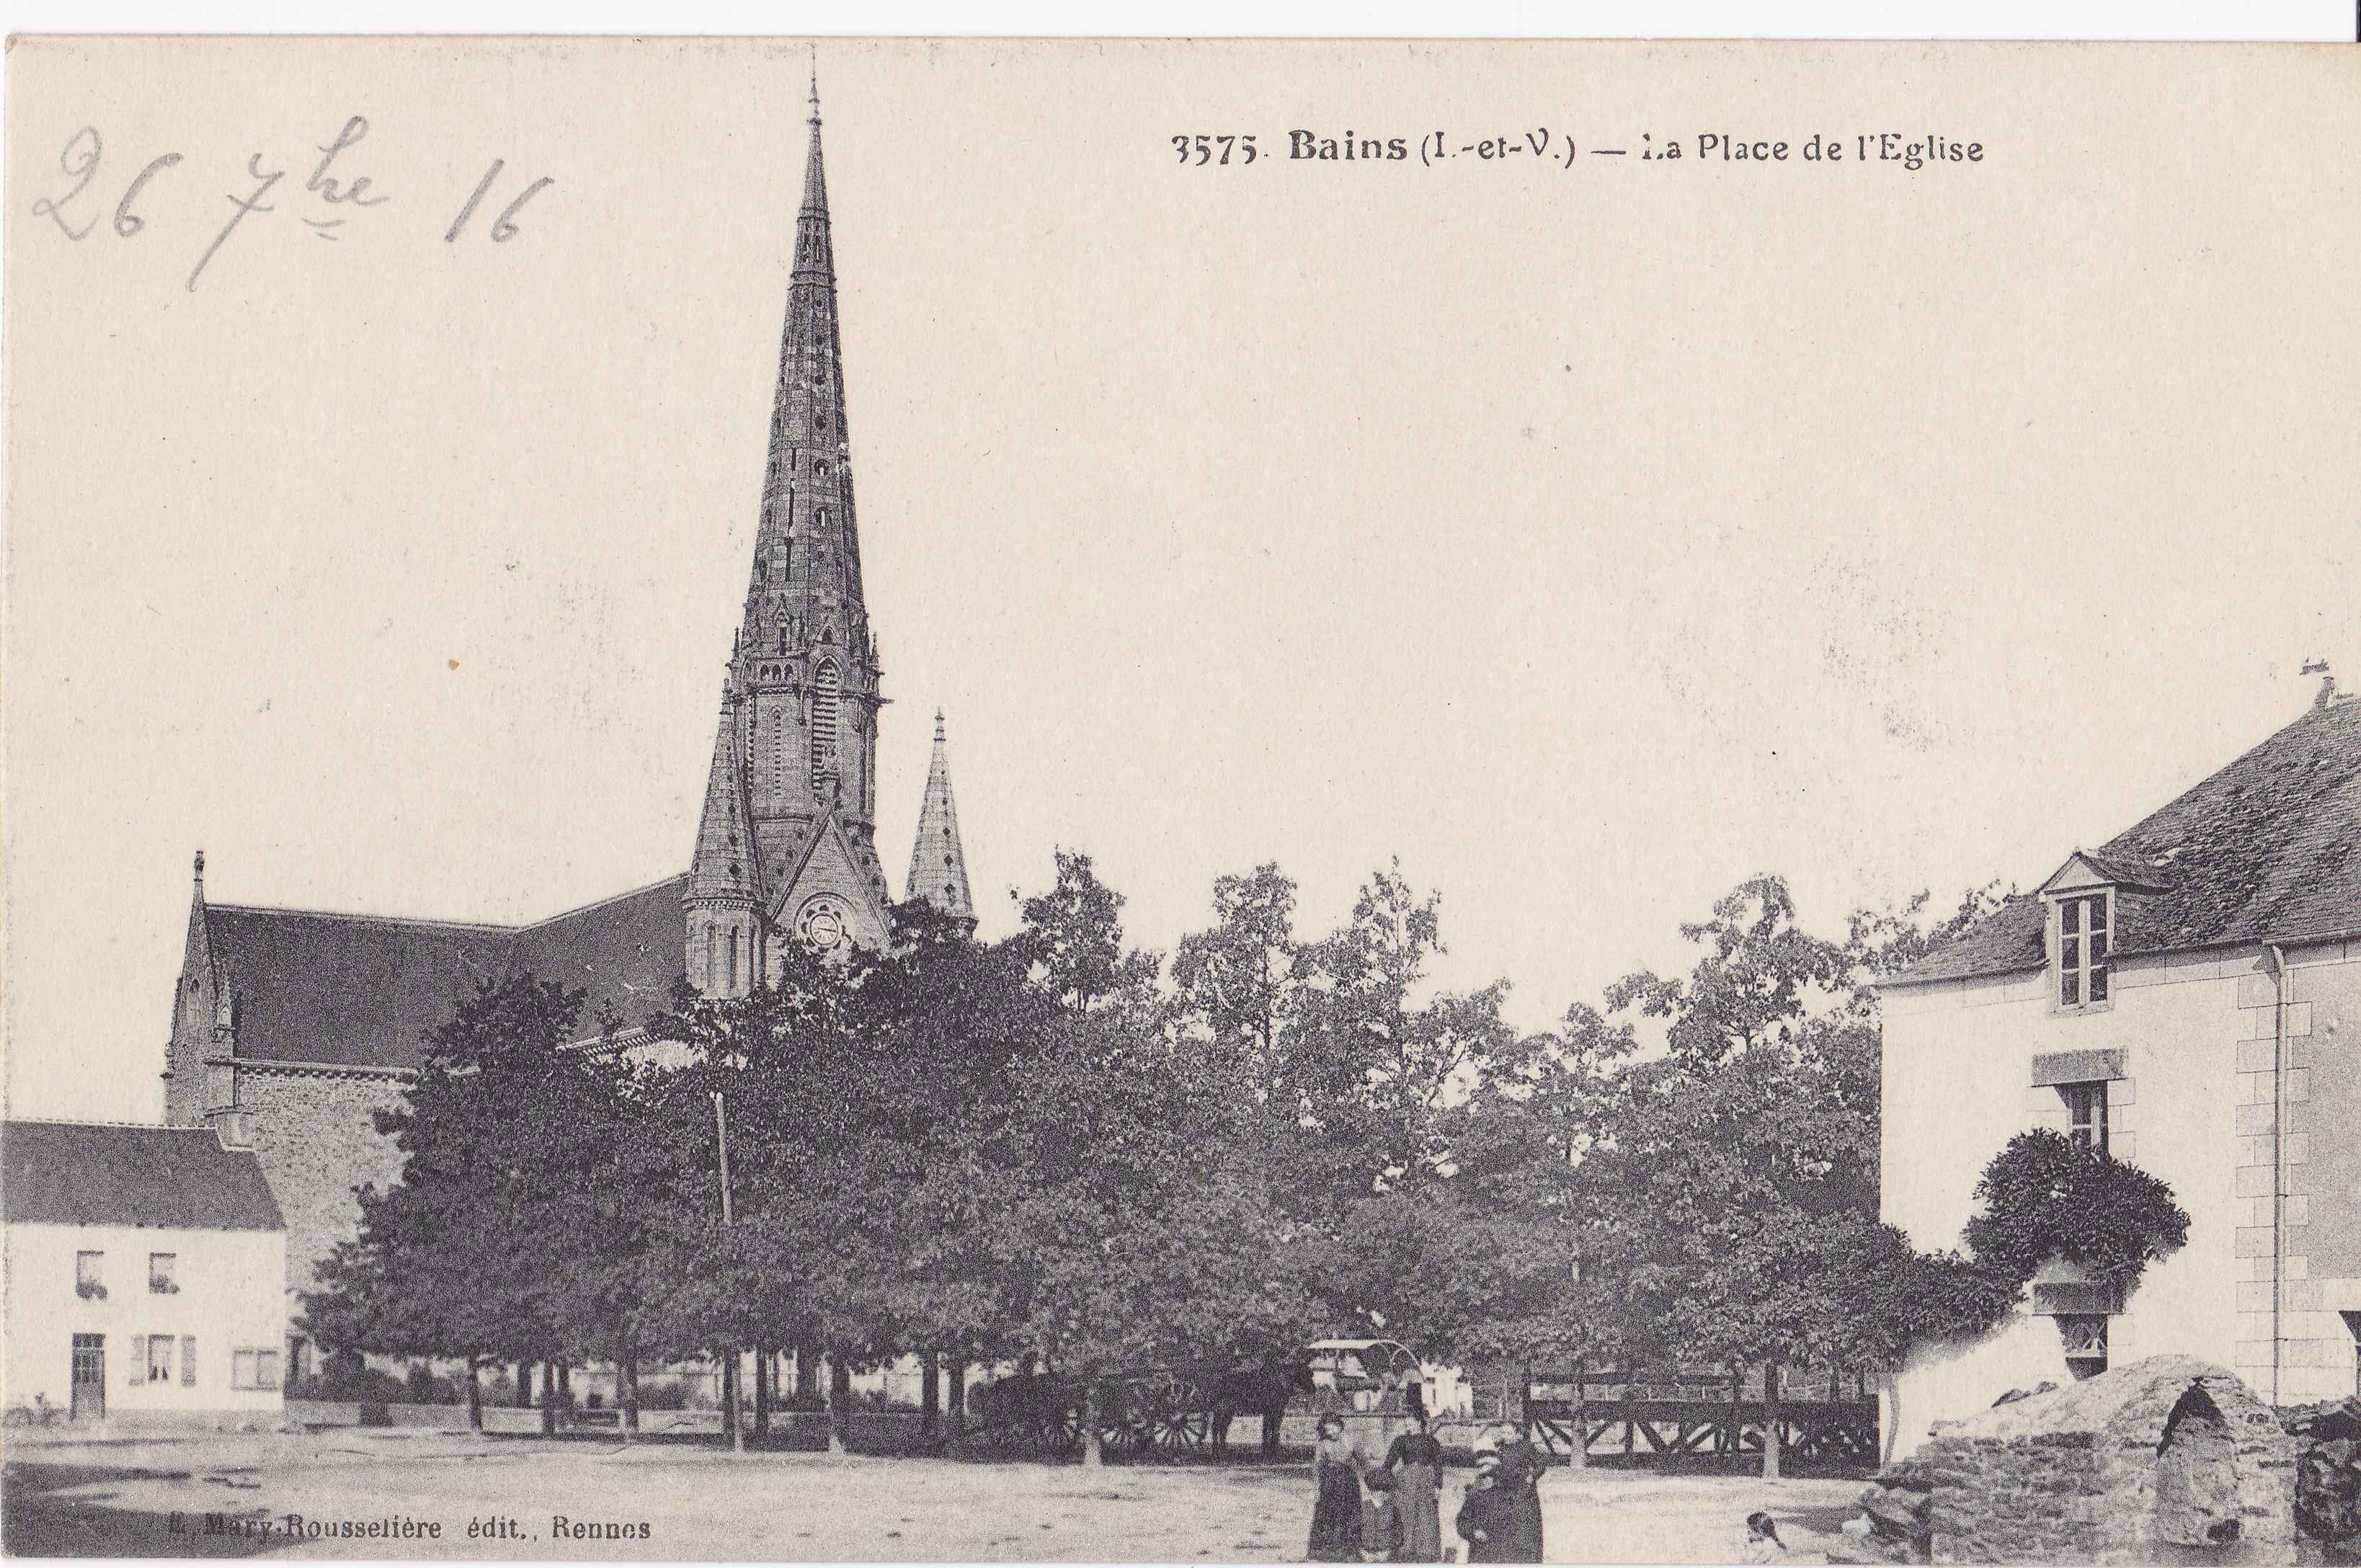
x: 161, y: 1496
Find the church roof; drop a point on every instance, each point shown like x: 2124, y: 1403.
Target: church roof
x: 2267, y: 849
x: 361, y: 990
x: 101, y: 1173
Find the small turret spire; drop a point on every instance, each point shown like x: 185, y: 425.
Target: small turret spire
x: 938, y: 862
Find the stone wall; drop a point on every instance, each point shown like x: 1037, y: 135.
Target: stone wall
x: 2165, y: 1455
x: 317, y: 1139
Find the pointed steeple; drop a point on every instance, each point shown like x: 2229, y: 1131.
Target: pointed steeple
x: 724, y: 864
x: 937, y: 863
x: 807, y: 490
x: 789, y: 827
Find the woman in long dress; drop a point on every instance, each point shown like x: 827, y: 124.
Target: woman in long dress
x: 1337, y: 1496
x: 1416, y: 1460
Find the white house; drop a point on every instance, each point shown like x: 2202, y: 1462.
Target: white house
x: 142, y: 1273
x: 2188, y: 996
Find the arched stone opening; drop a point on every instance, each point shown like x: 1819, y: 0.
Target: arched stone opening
x: 2197, y: 1475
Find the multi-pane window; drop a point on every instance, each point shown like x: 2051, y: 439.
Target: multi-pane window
x: 2082, y: 949
x: 160, y: 1359
x: 90, y: 1269
x: 162, y: 1268
x: 253, y: 1369
x: 2086, y: 1113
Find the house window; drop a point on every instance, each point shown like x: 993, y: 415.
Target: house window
x: 2086, y: 1113
x: 160, y: 1359
x: 253, y: 1369
x: 2082, y: 949
x: 89, y: 1267
x: 161, y: 1268
x: 2085, y: 1336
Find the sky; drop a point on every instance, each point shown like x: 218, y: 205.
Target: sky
x: 1587, y: 539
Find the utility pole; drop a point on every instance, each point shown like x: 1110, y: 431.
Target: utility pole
x: 730, y: 1367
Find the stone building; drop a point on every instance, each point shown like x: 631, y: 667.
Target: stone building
x: 2167, y: 1459
x: 2187, y: 996
x: 143, y: 1267
x: 292, y: 1026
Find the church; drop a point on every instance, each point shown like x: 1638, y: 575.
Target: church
x: 291, y: 1027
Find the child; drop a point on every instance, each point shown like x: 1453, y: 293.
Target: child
x: 1485, y: 1521
x: 1761, y: 1543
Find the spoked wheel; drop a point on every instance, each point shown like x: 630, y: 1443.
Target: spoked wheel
x: 1184, y: 1429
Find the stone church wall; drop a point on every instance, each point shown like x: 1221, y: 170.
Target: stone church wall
x: 318, y: 1142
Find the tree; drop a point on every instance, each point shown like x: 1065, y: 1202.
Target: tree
x: 481, y: 1250
x: 1726, y: 1188
x: 1073, y: 940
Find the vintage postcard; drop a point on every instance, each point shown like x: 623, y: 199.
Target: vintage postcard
x: 1183, y: 801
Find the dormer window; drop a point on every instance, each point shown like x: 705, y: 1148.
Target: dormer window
x: 2085, y: 926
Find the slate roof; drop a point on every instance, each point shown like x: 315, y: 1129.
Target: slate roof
x: 2268, y: 850
x: 96, y: 1173
x: 360, y: 990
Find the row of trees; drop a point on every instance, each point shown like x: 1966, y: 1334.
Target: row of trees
x: 1059, y: 1146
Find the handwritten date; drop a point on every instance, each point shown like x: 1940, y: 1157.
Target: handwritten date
x: 337, y: 189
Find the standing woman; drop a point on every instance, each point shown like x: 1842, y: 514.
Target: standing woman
x: 1336, y: 1496
x: 1522, y: 1468
x: 1416, y: 1460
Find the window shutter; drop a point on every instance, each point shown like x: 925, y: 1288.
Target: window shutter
x: 187, y: 1361
x: 138, y: 1360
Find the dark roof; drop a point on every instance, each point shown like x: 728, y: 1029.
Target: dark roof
x: 360, y: 990
x: 2268, y: 850
x: 94, y: 1173
x: 626, y: 951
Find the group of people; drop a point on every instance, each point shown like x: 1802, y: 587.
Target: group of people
x: 1392, y: 1511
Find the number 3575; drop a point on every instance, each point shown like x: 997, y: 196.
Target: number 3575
x: 1215, y: 150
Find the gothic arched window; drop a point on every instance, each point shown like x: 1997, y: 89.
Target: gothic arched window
x: 778, y: 750
x: 827, y: 686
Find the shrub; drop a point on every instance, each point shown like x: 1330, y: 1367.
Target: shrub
x: 2045, y: 1196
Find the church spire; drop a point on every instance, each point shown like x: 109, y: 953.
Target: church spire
x: 724, y: 865
x: 938, y: 864
x: 787, y: 848
x: 805, y: 667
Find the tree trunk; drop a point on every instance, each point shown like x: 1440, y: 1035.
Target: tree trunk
x: 728, y: 1394
x: 840, y: 1402
x: 524, y: 1385
x: 931, y: 1395
x: 629, y: 1373
x: 762, y: 1391
x: 1770, y: 1420
x: 1091, y: 1458
x: 548, y: 1399
x: 807, y: 1375
x: 958, y: 1370
x: 1581, y: 1458
x: 475, y: 1397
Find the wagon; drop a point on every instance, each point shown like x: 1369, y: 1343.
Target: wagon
x: 1367, y: 1375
